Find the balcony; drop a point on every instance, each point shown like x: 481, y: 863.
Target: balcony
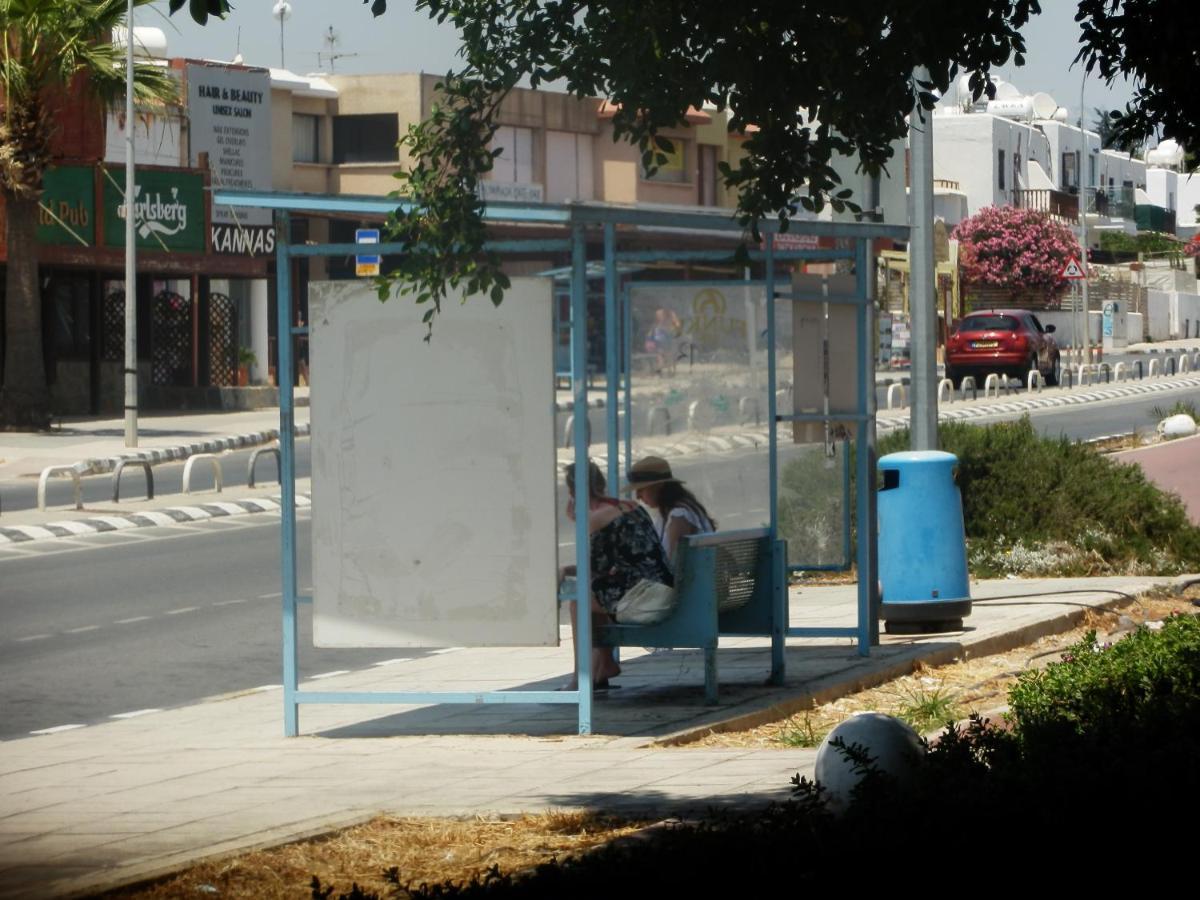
x: 1059, y: 205
x: 1111, y: 203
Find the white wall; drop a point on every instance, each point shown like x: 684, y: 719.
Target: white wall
x: 1189, y: 196
x: 1162, y: 188
x: 1158, y: 312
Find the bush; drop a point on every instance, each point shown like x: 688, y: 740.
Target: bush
x: 1022, y: 492
x: 1019, y: 249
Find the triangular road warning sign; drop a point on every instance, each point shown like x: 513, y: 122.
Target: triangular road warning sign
x: 1073, y: 270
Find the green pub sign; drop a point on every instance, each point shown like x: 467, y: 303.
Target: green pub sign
x: 67, y: 214
x: 168, y: 210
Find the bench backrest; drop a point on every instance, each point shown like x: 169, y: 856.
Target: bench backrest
x: 735, y: 559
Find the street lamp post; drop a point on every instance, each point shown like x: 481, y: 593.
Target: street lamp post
x: 923, y: 416
x: 1086, y: 339
x: 131, y: 380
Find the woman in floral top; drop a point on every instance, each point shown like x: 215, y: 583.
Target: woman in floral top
x: 625, y: 549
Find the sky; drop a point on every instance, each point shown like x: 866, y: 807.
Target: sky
x: 403, y: 40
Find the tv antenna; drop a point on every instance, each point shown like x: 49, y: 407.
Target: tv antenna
x: 331, y: 41
x: 282, y: 11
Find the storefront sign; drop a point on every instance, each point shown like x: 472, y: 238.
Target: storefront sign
x: 247, y: 240
x: 168, y: 210
x: 230, y: 113
x: 68, y: 207
x: 506, y: 191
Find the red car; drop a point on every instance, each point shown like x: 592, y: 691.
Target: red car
x: 1010, y: 342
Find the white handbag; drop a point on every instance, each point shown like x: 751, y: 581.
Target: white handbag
x: 646, y: 603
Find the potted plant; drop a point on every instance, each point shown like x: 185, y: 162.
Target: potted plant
x: 246, y: 359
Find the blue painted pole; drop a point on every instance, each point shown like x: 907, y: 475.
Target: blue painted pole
x: 779, y: 586
x: 287, y: 473
x: 612, y: 353
x: 868, y: 576
x: 627, y: 348
x: 583, y: 580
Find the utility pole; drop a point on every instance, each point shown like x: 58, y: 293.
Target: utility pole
x: 131, y: 379
x: 1085, y: 348
x: 282, y: 10
x: 923, y: 415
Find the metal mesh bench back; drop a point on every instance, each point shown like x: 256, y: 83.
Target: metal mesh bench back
x: 736, y: 567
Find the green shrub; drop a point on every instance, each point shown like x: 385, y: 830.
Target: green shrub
x: 1022, y: 492
x: 1144, y: 688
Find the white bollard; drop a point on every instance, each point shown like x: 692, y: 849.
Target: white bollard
x: 1184, y: 363
x: 969, y: 380
x: 1034, y: 381
x: 748, y: 410
x: 893, y: 746
x: 1081, y: 375
x: 993, y: 380
x: 1119, y: 372
x: 949, y: 386
x: 1153, y: 369
x: 892, y: 389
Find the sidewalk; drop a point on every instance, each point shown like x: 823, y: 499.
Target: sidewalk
x: 94, y: 807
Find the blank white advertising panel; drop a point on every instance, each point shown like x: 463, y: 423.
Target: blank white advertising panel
x: 433, y: 470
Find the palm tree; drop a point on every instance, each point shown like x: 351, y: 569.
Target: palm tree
x: 50, y: 48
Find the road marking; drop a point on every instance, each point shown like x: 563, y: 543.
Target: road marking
x: 392, y: 662
x: 32, y: 637
x: 134, y: 714
x: 230, y: 602
x: 267, y: 687
x: 270, y: 596
x: 180, y: 611
x: 82, y: 629
x: 330, y: 674
x: 57, y: 728
x: 130, y: 621
x: 444, y: 650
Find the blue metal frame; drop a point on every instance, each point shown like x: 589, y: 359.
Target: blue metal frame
x: 618, y: 325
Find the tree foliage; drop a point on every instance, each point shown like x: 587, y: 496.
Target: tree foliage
x: 815, y: 77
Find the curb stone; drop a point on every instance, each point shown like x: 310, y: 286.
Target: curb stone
x: 172, y: 515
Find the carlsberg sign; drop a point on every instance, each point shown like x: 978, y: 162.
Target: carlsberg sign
x: 168, y: 210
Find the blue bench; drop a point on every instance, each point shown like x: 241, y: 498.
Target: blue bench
x: 723, y: 587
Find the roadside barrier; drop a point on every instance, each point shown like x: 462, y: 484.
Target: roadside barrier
x: 969, y: 380
x: 1141, y: 370
x: 187, y: 471
x: 274, y: 451
x: 949, y: 386
x: 1119, y: 372
x: 994, y: 380
x: 1081, y: 374
x: 144, y: 465
x: 1104, y: 367
x: 658, y: 413
x: 748, y: 408
x: 891, y: 393
x: 1184, y: 363
x: 58, y: 470
x: 1153, y: 368
x: 569, y: 432
x: 1033, y: 381
x: 1170, y: 367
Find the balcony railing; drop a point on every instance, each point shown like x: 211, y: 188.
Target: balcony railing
x: 1112, y: 203
x: 1057, y: 204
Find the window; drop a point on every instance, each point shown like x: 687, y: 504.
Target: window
x: 70, y: 304
x: 1091, y: 169
x: 1070, y: 171
x: 674, y: 170
x: 1000, y: 169
x: 514, y: 165
x: 1016, y: 182
x: 708, y: 175
x: 364, y: 139
x: 306, y: 132
x: 1170, y: 195
x: 569, y: 167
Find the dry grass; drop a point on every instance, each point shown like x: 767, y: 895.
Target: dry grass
x: 423, y: 850
x: 972, y: 686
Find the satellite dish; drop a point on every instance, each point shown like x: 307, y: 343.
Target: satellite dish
x: 1043, y: 105
x: 1060, y: 114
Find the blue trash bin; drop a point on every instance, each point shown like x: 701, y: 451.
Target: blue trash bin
x: 922, y: 545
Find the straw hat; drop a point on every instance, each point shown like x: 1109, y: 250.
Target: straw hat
x: 650, y: 470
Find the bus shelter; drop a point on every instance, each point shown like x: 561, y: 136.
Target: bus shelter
x: 780, y: 336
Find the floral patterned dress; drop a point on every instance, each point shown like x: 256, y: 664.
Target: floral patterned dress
x: 624, y: 552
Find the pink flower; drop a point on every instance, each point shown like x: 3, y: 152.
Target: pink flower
x: 1020, y: 249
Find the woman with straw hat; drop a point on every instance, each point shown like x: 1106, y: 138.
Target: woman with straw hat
x: 680, y: 512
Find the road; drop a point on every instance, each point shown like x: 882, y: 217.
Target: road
x: 114, y: 624
x: 118, y: 623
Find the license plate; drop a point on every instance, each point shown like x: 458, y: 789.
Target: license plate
x: 984, y: 345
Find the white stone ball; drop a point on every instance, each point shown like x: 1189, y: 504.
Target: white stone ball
x: 892, y: 743
x: 1180, y: 425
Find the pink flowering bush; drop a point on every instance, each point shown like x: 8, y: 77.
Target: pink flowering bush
x: 1023, y: 250
x: 1192, y: 248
